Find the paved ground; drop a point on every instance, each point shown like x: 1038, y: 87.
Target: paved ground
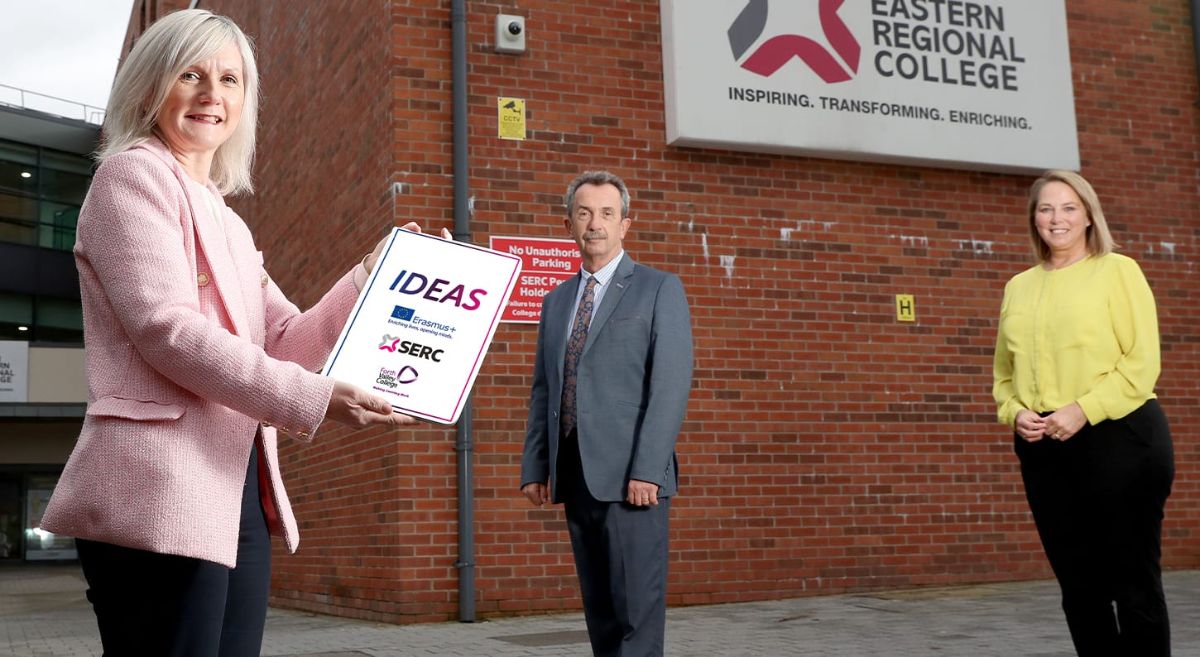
x: 43, y: 612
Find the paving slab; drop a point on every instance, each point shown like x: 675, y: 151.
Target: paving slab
x: 43, y: 613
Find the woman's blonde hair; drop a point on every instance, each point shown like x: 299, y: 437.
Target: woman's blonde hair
x: 1099, y: 240
x: 160, y: 55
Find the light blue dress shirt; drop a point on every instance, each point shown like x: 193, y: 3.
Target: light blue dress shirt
x: 603, y: 278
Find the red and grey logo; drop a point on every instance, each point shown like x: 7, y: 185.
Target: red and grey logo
x: 778, y: 50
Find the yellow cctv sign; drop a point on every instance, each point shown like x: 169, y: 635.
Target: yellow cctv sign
x: 906, y: 308
x: 510, y: 117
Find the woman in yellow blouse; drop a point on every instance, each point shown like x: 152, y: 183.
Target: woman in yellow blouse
x: 1076, y: 360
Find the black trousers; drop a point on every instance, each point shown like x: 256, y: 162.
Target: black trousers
x: 621, y: 559
x: 1098, y: 500
x: 161, y: 605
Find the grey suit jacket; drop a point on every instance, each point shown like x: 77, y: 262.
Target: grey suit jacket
x: 634, y: 376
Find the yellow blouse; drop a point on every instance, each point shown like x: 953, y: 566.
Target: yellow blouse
x: 1086, y: 333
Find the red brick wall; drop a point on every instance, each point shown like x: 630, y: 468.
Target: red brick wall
x: 324, y: 197
x: 827, y: 447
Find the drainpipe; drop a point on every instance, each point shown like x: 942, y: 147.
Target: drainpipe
x: 462, y: 233
x: 1196, y: 36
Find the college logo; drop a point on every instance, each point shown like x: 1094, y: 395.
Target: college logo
x: 778, y: 50
x: 392, y: 378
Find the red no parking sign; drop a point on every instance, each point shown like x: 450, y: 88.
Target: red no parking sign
x: 544, y: 264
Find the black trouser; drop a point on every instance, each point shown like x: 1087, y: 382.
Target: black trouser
x: 163, y: 605
x: 1097, y: 499
x: 621, y: 558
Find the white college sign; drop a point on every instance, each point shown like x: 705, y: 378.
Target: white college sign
x: 975, y: 84
x: 14, y: 371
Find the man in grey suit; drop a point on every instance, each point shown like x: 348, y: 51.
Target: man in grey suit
x: 610, y: 387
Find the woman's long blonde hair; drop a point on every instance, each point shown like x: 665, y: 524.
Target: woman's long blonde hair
x: 160, y: 55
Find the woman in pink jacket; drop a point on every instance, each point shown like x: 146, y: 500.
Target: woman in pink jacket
x: 195, y: 359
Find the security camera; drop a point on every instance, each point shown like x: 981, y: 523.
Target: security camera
x: 510, y: 33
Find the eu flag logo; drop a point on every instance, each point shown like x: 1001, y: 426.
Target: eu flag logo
x: 400, y: 312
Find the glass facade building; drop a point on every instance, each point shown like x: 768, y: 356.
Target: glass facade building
x: 41, y: 192
x: 45, y: 172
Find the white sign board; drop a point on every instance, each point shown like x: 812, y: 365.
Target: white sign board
x: 423, y: 322
x: 972, y: 84
x: 14, y: 371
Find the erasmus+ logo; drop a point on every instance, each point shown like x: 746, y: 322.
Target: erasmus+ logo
x: 778, y: 50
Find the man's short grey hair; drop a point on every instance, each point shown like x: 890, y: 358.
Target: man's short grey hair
x: 161, y: 54
x: 597, y: 178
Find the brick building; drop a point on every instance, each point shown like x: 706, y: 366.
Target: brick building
x: 828, y: 447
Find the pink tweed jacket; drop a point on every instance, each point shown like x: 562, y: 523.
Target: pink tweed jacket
x: 190, y: 349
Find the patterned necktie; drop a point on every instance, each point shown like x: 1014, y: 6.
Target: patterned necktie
x: 579, y: 331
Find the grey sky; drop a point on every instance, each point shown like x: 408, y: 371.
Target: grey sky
x: 62, y: 48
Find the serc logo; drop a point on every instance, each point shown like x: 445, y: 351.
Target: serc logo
x: 393, y: 345
x: 778, y: 50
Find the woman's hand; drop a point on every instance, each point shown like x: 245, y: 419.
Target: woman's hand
x: 1030, y: 426
x: 1065, y: 422
x: 373, y: 257
x: 358, y: 408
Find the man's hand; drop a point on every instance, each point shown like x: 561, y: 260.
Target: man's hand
x: 642, y: 493
x: 536, y: 493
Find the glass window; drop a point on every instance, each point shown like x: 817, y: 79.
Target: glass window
x: 16, y: 311
x: 40, y: 319
x: 10, y: 517
x: 16, y: 308
x: 21, y: 178
x: 57, y: 228
x: 18, y: 219
x: 41, y: 192
x: 67, y: 162
x: 18, y: 153
x: 63, y: 186
x: 41, y: 545
x: 65, y: 177
x: 58, y: 320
